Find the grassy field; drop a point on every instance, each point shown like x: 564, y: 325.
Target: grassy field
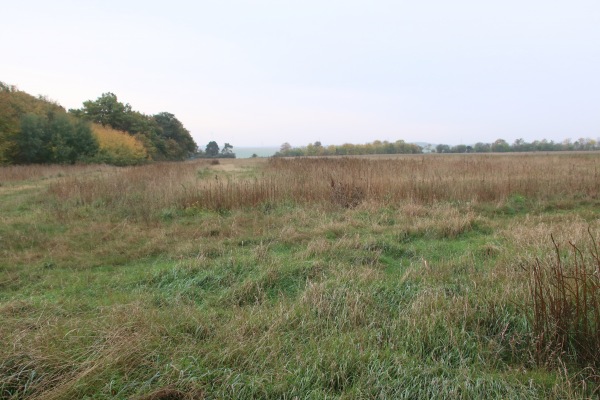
x: 457, y: 277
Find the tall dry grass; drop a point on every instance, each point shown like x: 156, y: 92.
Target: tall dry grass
x: 342, y: 181
x: 427, y: 179
x: 35, y: 172
x: 565, y: 299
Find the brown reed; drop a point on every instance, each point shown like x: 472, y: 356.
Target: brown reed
x: 423, y: 180
x: 565, y: 300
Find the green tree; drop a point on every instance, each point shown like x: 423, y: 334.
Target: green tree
x: 518, y: 145
x: 106, y: 110
x: 500, y: 146
x: 315, y: 149
x: 70, y: 141
x: 442, y: 148
x: 388, y: 148
x: 482, y: 147
x: 62, y: 140
x: 212, y: 149
x: 85, y: 143
x: 227, y: 149
x: 170, y: 128
x: 54, y: 138
x: 32, y: 143
x: 459, y: 148
x: 285, y: 148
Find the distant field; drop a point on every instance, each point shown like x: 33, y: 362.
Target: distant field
x: 425, y: 276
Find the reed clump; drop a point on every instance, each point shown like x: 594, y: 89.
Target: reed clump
x: 565, y: 302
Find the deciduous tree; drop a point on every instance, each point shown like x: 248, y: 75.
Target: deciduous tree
x: 212, y: 149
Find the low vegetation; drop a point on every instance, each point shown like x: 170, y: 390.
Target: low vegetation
x: 421, y: 276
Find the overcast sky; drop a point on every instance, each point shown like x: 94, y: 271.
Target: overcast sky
x: 264, y: 72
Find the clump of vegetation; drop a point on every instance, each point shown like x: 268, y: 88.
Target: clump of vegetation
x: 163, y: 135
x: 346, y: 195
x: 565, y: 297
x: 53, y: 139
x: 35, y: 130
x: 118, y: 148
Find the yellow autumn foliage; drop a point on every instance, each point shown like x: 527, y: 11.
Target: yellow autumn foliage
x: 117, y: 147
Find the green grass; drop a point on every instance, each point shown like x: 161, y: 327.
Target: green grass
x: 277, y: 301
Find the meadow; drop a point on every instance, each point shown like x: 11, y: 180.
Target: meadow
x: 423, y: 276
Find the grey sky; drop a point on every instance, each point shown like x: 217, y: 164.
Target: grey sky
x: 267, y: 72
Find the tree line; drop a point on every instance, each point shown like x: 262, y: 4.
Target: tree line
x: 519, y: 145
x: 401, y: 147
x: 347, y: 149
x: 38, y: 130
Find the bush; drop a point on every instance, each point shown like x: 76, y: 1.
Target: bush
x: 118, y: 148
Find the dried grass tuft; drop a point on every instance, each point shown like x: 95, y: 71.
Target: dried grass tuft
x: 565, y: 302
